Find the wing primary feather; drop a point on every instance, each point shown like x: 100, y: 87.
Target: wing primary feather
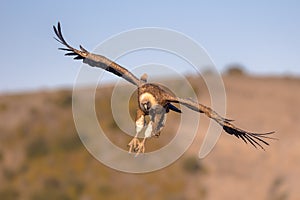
x: 64, y: 49
x: 78, y: 57
x: 255, y: 139
x: 70, y: 54
x: 251, y: 138
x: 94, y: 60
x: 83, y: 49
x: 252, y: 141
x: 258, y: 138
x: 263, y: 134
x: 242, y: 137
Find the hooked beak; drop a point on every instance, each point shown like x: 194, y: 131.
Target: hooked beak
x: 145, y: 106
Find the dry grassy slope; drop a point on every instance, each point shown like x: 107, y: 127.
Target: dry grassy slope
x: 41, y: 156
x: 240, y: 172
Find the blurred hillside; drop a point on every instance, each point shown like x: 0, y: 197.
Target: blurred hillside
x: 42, y: 157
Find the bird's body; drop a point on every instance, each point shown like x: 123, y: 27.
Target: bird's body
x: 155, y: 100
x: 154, y: 94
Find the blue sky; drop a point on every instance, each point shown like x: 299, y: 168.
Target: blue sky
x: 264, y: 36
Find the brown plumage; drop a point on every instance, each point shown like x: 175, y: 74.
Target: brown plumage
x: 156, y: 101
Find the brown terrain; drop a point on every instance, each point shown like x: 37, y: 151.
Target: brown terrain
x: 42, y: 157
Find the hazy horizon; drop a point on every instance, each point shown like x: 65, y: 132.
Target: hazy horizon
x: 261, y: 36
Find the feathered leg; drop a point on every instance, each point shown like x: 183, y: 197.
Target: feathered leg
x: 157, y: 116
x: 148, y: 133
x: 139, y: 125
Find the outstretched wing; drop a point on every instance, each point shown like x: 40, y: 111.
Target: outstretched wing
x: 94, y: 60
x: 256, y: 139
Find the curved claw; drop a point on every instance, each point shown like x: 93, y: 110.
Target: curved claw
x: 140, y: 148
x: 133, y: 144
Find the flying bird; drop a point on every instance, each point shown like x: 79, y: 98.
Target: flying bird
x: 156, y: 101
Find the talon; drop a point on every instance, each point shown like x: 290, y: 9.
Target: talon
x: 140, y: 148
x: 136, y: 150
x: 133, y: 144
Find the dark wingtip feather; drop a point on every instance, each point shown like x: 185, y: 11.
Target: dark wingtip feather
x: 83, y: 49
x: 70, y: 54
x: 60, y: 38
x: 174, y: 108
x: 268, y: 133
x: 58, y: 27
x: 78, y: 57
x: 255, y: 139
x: 71, y: 51
x: 65, y: 49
